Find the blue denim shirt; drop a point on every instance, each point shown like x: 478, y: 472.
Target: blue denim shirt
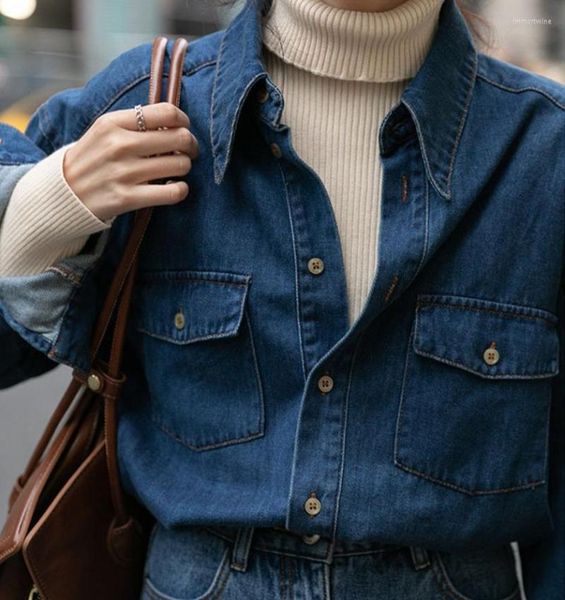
x: 437, y: 417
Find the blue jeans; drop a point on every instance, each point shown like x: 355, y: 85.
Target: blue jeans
x: 206, y: 563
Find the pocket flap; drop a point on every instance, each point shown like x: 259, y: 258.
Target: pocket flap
x: 458, y: 330
x: 187, y: 306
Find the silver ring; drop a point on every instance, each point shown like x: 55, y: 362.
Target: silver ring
x: 140, y: 118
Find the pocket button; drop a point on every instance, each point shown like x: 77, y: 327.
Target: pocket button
x: 179, y: 320
x: 491, y: 355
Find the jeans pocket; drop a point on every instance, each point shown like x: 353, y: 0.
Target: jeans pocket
x: 484, y: 574
x: 186, y: 563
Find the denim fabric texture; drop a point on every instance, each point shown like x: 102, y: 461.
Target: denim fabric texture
x: 232, y: 563
x: 421, y: 438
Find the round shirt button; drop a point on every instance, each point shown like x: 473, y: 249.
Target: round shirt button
x: 312, y: 506
x: 325, y: 384
x: 276, y: 150
x: 179, y: 320
x: 262, y: 95
x: 311, y: 539
x: 491, y: 355
x: 316, y: 266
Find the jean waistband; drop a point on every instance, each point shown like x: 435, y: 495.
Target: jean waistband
x: 280, y: 540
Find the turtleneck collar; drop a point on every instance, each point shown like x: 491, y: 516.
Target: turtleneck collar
x: 350, y: 44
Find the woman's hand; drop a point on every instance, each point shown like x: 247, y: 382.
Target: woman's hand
x: 110, y: 166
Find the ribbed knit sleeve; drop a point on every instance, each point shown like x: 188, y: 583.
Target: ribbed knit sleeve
x: 45, y: 221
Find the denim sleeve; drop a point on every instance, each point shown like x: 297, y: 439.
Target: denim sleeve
x: 20, y: 360
x: 32, y: 307
x: 54, y: 312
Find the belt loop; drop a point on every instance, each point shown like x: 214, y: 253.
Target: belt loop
x: 241, y: 547
x: 420, y: 557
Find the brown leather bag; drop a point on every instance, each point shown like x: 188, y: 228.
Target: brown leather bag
x: 71, y: 531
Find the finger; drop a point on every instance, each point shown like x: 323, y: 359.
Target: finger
x: 160, y: 114
x: 142, y: 170
x: 158, y: 194
x: 150, y: 143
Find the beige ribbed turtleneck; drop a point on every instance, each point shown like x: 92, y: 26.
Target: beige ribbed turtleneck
x: 352, y: 45
x: 340, y: 72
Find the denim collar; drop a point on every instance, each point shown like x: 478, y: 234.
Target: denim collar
x: 439, y: 95
x: 238, y: 68
x: 436, y: 99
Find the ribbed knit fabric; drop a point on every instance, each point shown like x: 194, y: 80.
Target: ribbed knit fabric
x: 340, y: 72
x: 44, y: 220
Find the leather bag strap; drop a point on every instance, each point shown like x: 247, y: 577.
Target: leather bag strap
x: 111, y: 385
x: 142, y: 216
x: 113, y: 374
x: 173, y: 96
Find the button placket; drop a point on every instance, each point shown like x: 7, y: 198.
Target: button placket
x: 322, y: 319
x: 406, y: 194
x: 323, y: 306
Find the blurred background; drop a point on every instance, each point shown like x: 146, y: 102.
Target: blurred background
x: 49, y: 45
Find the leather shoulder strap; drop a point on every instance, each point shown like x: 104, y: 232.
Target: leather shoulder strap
x: 141, y: 220
x: 157, y: 67
x: 121, y: 292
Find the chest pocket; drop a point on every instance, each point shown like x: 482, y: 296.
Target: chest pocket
x: 199, y: 358
x: 476, y: 394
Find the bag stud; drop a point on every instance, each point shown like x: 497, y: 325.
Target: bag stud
x: 94, y: 382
